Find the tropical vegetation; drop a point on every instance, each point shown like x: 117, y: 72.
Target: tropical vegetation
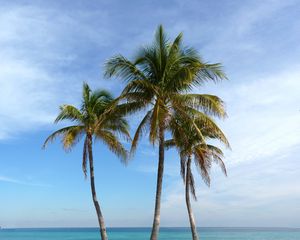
x: 191, y: 147
x: 159, y: 82
x: 95, y: 119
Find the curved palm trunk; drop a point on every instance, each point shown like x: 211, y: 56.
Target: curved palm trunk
x: 94, y: 195
x: 160, y: 171
x: 188, y: 202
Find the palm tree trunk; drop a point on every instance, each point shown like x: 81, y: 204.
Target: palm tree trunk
x: 188, y: 202
x: 94, y: 195
x: 160, y: 171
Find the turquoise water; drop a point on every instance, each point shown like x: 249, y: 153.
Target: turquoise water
x: 144, y: 233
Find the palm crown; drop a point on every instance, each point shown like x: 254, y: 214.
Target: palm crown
x: 188, y: 144
x: 159, y: 78
x: 94, y: 118
x: 192, y: 147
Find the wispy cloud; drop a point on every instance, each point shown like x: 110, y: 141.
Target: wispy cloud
x: 263, y: 128
x: 73, y: 210
x: 38, y: 69
x: 47, y: 51
x: 264, y: 116
x: 21, y: 182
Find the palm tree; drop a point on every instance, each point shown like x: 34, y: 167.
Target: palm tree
x: 191, y: 147
x: 95, y: 119
x: 158, y: 80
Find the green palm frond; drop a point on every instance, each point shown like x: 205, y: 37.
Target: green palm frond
x: 217, y: 156
x: 154, y: 123
x: 59, y: 133
x: 192, y: 185
x: 121, y: 67
x: 170, y: 144
x: 113, y: 144
x: 158, y: 81
x: 72, y: 136
x: 140, y: 131
x: 210, y: 72
x: 186, y: 139
x: 86, y: 93
x: 119, y: 126
x: 130, y: 107
x: 185, y: 115
x: 69, y: 112
x: 209, y: 127
x: 99, y: 116
x: 183, y: 161
x: 161, y: 46
x: 209, y: 104
x: 203, y: 164
x: 141, y: 86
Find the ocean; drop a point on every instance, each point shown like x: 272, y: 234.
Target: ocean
x: 144, y: 234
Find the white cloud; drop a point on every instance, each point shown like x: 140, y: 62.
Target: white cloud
x: 264, y: 116
x: 260, y: 11
x: 264, y: 131
x: 25, y: 97
x: 37, y: 46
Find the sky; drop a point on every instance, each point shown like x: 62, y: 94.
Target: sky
x: 49, y: 48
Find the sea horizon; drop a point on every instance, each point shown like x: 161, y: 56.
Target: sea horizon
x: 141, y: 233
x: 162, y: 228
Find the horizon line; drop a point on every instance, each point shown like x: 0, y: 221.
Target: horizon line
x: 164, y: 227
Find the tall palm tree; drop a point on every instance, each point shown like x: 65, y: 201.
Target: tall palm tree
x: 96, y: 119
x: 191, y: 147
x: 158, y: 80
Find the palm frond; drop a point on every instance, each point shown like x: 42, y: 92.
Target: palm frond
x: 183, y: 161
x: 209, y: 104
x: 210, y: 72
x: 72, y: 137
x: 208, y: 126
x: 203, y: 164
x: 113, y: 144
x: 121, y: 67
x: 58, y: 133
x: 86, y: 93
x: 169, y: 144
x: 217, y: 156
x: 139, y: 131
x: 161, y: 45
x: 128, y: 108
x: 154, y: 123
x: 141, y: 86
x: 192, y: 185
x: 69, y: 112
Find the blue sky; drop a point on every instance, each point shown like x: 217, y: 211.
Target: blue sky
x: 48, y: 48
